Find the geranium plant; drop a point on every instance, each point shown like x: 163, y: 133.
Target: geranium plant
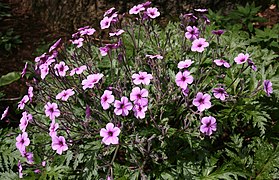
x: 146, y: 102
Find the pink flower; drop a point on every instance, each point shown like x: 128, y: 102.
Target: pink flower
x: 104, y: 50
x: 24, y: 70
x: 106, y: 99
x: 51, y: 110
x: 185, y: 64
x: 136, y: 9
x: 53, y: 128
x: 117, y: 33
x: 122, y: 107
x: 91, y: 80
x: 55, y: 45
x: 220, y: 93
x: 109, y: 11
x: 192, y: 33
x: 183, y: 79
x: 30, y: 93
x: 22, y: 141
x: 65, y: 94
x: 78, y: 70
x: 24, y: 121
x: 79, y: 42
x: 23, y: 101
x: 44, y: 70
x: 29, y: 157
x: 208, y: 125
x: 241, y: 58
x: 59, y: 144
x: 105, y: 22
x: 88, y: 31
x: 152, y: 12
x: 20, y: 174
x: 202, y: 101
x: 141, y: 78
x: 5, y: 113
x: 157, y: 56
x: 139, y: 96
x: 221, y: 62
x: 139, y: 110
x: 201, y: 10
x: 110, y: 134
x: 267, y: 87
x: 61, y: 69
x: 199, y: 45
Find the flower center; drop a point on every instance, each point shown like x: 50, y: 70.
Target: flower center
x: 51, y: 110
x: 201, y: 101
x: 199, y: 45
x: 61, y: 143
x: 110, y: 133
x: 183, y: 78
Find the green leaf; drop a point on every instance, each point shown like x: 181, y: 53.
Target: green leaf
x: 9, y: 78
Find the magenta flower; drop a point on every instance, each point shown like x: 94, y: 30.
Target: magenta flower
x: 220, y: 93
x: 30, y: 93
x: 152, y: 12
x: 24, y: 70
x: 267, y: 87
x: 65, y: 94
x: 61, y: 69
x: 117, y: 33
x: 44, y: 70
x: 192, y: 33
x: 23, y: 101
x: 106, y: 99
x: 183, y: 79
x: 241, y: 58
x: 202, y: 101
x: 55, y: 45
x: 208, y: 125
x: 20, y: 174
x: 91, y: 80
x: 5, y: 113
x: 141, y: 78
x: 108, y: 12
x: 139, y: 110
x: 218, y: 32
x: 221, y: 62
x: 22, y: 141
x: 24, y: 121
x: 59, y: 144
x: 110, y: 134
x: 51, y: 110
x: 29, y: 157
x: 139, y: 96
x: 136, y: 9
x: 105, y: 22
x: 53, y: 128
x: 185, y: 64
x: 88, y: 31
x: 122, y: 107
x: 78, y: 42
x: 104, y: 50
x: 199, y: 45
x: 252, y: 65
x: 201, y: 10
x: 78, y: 70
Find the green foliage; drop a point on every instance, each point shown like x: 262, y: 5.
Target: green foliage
x: 4, y: 11
x: 9, y: 41
x: 243, y: 16
x: 9, y: 78
x: 9, y: 155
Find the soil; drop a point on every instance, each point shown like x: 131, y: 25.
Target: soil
x: 34, y: 33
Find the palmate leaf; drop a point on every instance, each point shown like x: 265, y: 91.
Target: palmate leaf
x: 260, y: 118
x: 266, y: 161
